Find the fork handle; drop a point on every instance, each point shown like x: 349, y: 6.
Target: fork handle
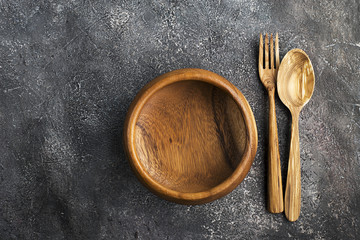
x: 275, y: 192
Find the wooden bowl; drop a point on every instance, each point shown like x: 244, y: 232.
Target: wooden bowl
x: 190, y: 136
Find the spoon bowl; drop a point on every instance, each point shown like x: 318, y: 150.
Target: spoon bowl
x: 296, y: 79
x: 295, y: 84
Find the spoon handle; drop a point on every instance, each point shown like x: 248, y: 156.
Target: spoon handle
x: 275, y: 192
x: 293, y: 182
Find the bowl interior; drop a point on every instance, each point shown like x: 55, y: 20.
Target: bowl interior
x: 190, y: 136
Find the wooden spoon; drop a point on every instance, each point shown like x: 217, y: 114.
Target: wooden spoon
x: 295, y: 84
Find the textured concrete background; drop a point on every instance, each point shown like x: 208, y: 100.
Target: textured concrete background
x: 69, y: 70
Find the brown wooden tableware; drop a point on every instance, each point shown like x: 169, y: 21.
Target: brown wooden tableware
x: 190, y: 136
x: 268, y: 76
x: 296, y: 82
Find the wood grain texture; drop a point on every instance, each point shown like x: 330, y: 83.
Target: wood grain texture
x: 296, y: 81
x: 268, y: 78
x: 190, y: 136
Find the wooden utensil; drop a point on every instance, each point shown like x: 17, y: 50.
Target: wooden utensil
x: 268, y: 77
x: 190, y: 136
x: 296, y: 81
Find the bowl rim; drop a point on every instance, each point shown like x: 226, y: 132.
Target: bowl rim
x: 240, y: 171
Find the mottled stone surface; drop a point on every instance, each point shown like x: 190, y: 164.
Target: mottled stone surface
x: 69, y: 70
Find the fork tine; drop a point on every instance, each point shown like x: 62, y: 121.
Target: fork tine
x: 272, y: 59
x: 261, y: 53
x: 277, y: 52
x: 266, y: 51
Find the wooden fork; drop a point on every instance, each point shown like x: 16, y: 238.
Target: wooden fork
x: 268, y: 77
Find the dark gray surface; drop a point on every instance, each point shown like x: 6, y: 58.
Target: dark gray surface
x: 69, y: 70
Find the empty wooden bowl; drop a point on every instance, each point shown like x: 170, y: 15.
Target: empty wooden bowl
x: 190, y: 136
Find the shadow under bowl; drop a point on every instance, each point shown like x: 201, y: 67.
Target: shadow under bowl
x: 190, y: 136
